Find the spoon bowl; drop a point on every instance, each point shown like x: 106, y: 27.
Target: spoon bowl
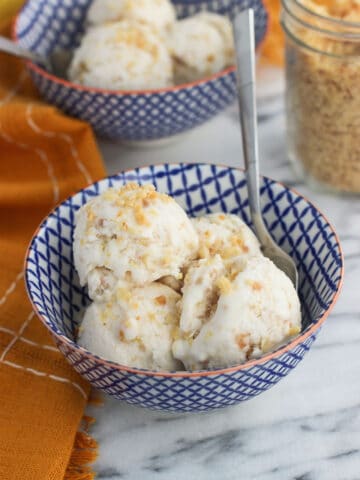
x: 59, y: 61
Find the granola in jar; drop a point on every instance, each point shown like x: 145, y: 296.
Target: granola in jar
x: 323, y: 91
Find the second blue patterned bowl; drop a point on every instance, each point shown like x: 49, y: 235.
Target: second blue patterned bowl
x: 296, y: 225
x: 119, y: 115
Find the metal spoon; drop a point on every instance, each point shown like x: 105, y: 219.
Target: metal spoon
x: 57, y: 63
x: 245, y: 58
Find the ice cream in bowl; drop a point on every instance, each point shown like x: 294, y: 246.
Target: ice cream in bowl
x: 156, y: 290
x: 140, y: 70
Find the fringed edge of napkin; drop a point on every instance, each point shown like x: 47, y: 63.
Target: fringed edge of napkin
x: 272, y: 46
x: 86, y: 449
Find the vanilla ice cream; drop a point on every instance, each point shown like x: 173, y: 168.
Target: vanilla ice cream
x: 172, y: 282
x: 200, y: 46
x: 133, y: 235
x: 160, y: 14
x: 257, y: 310
x: 171, y: 292
x: 226, y: 235
x: 200, y: 293
x: 122, y: 56
x: 135, y: 327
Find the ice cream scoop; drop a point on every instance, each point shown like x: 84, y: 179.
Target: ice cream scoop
x: 133, y: 235
x: 135, y: 327
x: 160, y: 14
x: 226, y: 235
x: 122, y: 56
x: 200, y: 46
x: 257, y: 309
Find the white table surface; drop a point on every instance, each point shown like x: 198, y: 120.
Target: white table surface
x: 307, y: 427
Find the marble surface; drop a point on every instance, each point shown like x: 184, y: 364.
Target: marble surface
x: 307, y: 427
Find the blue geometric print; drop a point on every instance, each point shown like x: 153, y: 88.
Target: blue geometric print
x: 294, y: 223
x: 43, y: 26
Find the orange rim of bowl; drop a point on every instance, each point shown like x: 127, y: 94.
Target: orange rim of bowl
x: 32, y: 66
x: 201, y: 373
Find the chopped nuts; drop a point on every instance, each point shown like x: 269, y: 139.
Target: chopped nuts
x: 123, y: 294
x: 161, y: 300
x: 140, y: 216
x: 231, y: 252
x: 209, y: 334
x: 242, y: 340
x: 175, y: 333
x: 323, y: 99
x: 237, y: 241
x: 224, y: 285
x: 171, y: 282
x: 90, y: 215
x: 139, y: 341
x: 266, y: 345
x: 203, y: 251
x: 294, y: 331
x: 255, y: 285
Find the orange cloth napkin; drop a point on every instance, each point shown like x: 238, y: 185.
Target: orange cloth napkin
x: 44, y: 157
x: 272, y: 49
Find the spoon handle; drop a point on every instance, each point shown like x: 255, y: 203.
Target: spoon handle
x: 13, y: 48
x: 245, y: 59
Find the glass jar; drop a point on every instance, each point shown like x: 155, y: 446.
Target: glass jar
x: 323, y: 92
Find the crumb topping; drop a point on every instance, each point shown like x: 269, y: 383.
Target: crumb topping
x: 255, y: 285
x: 348, y: 10
x: 175, y: 333
x: 294, y: 330
x: 266, y: 344
x: 242, y: 340
x: 135, y: 37
x: 224, y: 285
x: 161, y: 300
x: 123, y: 294
x: 140, y: 215
x: 324, y: 99
x: 90, y: 214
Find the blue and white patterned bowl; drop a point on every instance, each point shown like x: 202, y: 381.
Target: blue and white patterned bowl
x: 119, y: 115
x: 295, y: 224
